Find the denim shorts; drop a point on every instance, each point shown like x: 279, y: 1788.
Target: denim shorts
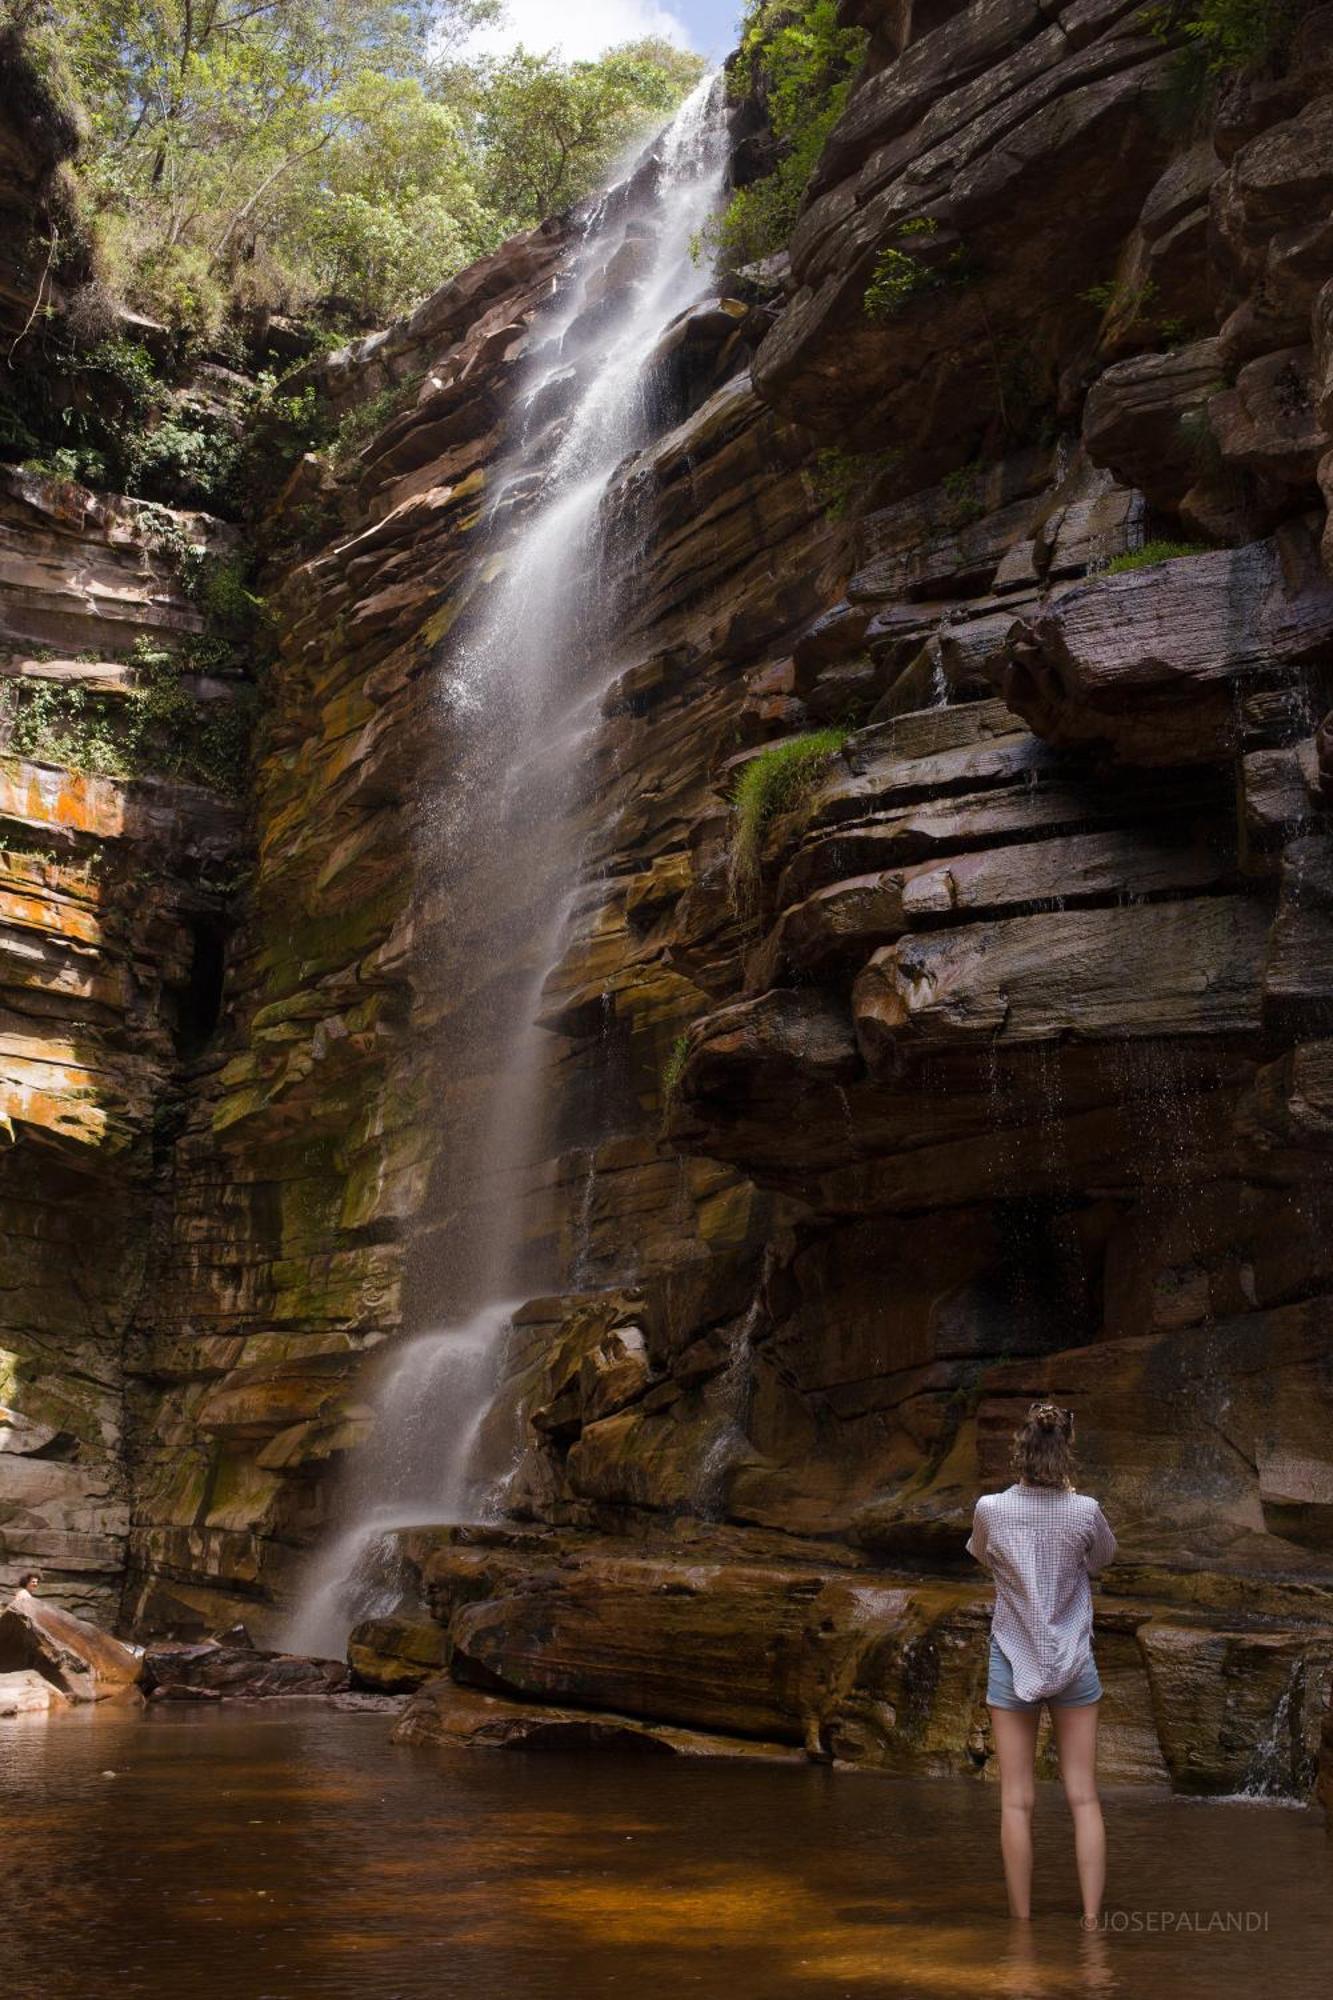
x: 1080, y: 1692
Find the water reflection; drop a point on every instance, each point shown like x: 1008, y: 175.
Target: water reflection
x: 295, y: 1855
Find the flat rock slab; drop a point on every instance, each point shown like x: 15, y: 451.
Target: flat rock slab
x: 1144, y: 661
x: 868, y: 910
x: 1164, y: 969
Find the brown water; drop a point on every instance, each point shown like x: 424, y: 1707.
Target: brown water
x: 276, y: 1855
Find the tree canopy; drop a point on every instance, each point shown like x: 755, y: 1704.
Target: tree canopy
x: 340, y: 157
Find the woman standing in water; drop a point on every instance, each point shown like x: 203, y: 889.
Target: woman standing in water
x: 1041, y: 1541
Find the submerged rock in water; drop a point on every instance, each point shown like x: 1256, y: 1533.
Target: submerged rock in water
x: 451, y: 1716
x: 82, y: 1662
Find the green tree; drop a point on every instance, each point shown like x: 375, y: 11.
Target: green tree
x: 394, y: 210
x: 548, y: 131
x: 338, y: 155
x: 208, y: 116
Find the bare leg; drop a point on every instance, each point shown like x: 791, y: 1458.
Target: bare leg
x: 1016, y: 1746
x: 1076, y: 1741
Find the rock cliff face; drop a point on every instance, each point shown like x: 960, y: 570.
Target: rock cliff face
x: 1011, y: 1071
x: 111, y: 898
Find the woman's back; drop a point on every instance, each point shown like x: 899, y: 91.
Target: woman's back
x: 1040, y: 1544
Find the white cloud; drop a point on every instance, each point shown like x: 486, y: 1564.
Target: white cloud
x: 578, y: 28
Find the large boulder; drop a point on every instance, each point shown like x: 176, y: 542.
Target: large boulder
x: 1271, y: 228
x: 1267, y: 423
x: 84, y: 1663
x: 1237, y: 1710
x: 395, y: 1655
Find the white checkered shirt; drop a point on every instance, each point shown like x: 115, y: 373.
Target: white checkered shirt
x: 1041, y: 1543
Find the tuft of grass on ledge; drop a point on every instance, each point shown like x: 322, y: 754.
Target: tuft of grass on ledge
x: 1153, y: 552
x: 673, y: 1069
x: 779, y: 780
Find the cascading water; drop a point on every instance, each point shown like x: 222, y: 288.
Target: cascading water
x: 433, y: 1393
x: 520, y: 685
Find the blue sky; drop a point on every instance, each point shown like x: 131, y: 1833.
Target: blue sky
x: 586, y: 27
x: 710, y: 24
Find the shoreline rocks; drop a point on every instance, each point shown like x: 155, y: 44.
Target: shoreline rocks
x: 213, y: 1672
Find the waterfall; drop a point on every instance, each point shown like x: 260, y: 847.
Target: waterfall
x: 430, y: 1402
x: 520, y: 679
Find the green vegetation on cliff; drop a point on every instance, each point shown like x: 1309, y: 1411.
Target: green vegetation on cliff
x: 673, y: 1069
x: 900, y: 276
x: 1232, y: 36
x: 799, y: 65
x: 159, y: 728
x: 1157, y: 551
x: 334, y: 160
x: 1218, y: 40
x: 188, y: 709
x: 781, y: 779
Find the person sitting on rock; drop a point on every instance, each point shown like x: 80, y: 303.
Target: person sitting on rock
x: 27, y: 1584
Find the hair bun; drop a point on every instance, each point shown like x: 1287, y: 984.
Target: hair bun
x: 1043, y: 1448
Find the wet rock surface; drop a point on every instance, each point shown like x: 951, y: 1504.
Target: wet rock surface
x: 395, y: 1655
x: 736, y: 1651
x: 216, y: 1671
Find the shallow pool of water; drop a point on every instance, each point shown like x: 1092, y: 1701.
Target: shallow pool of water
x: 277, y: 1854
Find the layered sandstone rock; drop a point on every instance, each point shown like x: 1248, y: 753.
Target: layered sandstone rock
x: 737, y: 1651
x: 999, y: 987
x: 1009, y: 1047
x: 112, y: 911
